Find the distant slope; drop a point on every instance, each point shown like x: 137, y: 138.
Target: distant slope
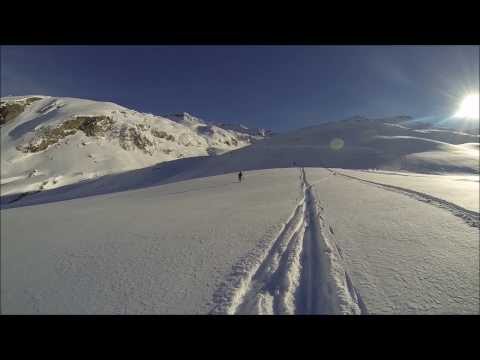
x: 53, y: 142
x: 48, y: 142
x: 364, y: 144
x: 194, y: 122
x: 353, y: 144
x: 217, y: 132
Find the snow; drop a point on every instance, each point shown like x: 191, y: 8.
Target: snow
x: 461, y: 189
x: 366, y: 145
x: 361, y: 216
x: 404, y: 256
x: 158, y: 250
x: 78, y: 157
x: 302, y: 272
x: 282, y: 241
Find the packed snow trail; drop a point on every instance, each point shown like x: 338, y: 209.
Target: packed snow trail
x: 134, y: 255
x: 470, y: 217
x: 301, y: 273
x: 404, y: 255
x: 157, y: 250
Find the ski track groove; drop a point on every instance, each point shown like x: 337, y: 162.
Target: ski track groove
x: 472, y: 218
x: 301, y: 272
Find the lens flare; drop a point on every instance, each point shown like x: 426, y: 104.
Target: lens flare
x: 469, y: 107
x: 336, y: 144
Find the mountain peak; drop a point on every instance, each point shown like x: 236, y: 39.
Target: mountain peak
x: 185, y: 119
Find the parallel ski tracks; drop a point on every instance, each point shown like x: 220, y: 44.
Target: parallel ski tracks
x: 302, y: 272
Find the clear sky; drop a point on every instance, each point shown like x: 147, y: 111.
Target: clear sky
x: 278, y: 87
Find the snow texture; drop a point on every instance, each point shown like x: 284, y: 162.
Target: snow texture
x: 361, y: 216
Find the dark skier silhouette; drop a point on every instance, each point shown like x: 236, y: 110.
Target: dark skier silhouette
x: 240, y: 176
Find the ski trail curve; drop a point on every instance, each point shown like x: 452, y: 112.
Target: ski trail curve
x: 302, y: 272
x: 470, y: 217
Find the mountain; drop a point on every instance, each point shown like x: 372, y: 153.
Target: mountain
x: 309, y: 230
x: 217, y: 130
x: 255, y: 132
x: 48, y: 142
x: 354, y: 143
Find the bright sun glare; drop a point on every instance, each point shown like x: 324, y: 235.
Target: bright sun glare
x: 469, y: 107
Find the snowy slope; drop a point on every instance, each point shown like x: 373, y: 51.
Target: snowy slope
x: 356, y: 143
x: 461, y: 190
x: 283, y: 241
x: 34, y: 158
x: 47, y: 142
x: 351, y: 144
x: 158, y: 250
x: 310, y: 229
x: 404, y: 256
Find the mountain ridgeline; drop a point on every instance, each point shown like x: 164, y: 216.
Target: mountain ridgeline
x: 50, y: 142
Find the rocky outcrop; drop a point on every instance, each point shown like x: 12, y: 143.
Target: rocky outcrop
x: 10, y: 110
x: 162, y: 135
x: 46, y: 136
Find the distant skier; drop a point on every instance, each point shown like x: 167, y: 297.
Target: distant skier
x: 294, y: 163
x: 240, y: 176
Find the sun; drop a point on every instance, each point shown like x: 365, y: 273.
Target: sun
x: 469, y: 107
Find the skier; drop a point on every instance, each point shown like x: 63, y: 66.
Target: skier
x: 240, y: 176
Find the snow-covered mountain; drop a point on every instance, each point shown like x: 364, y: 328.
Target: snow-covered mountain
x: 255, y: 132
x: 195, y: 122
x: 303, y: 233
x: 48, y: 142
x: 355, y: 143
x: 216, y: 131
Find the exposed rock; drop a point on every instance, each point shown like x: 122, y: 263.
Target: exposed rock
x: 90, y: 125
x: 162, y: 135
x: 143, y: 127
x: 33, y: 172
x: 10, y: 110
x: 159, y: 134
x: 140, y: 141
x: 32, y: 99
x: 46, y: 136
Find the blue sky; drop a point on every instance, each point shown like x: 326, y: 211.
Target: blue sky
x: 278, y: 87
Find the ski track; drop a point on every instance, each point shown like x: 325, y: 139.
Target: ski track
x: 470, y: 217
x: 300, y: 272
